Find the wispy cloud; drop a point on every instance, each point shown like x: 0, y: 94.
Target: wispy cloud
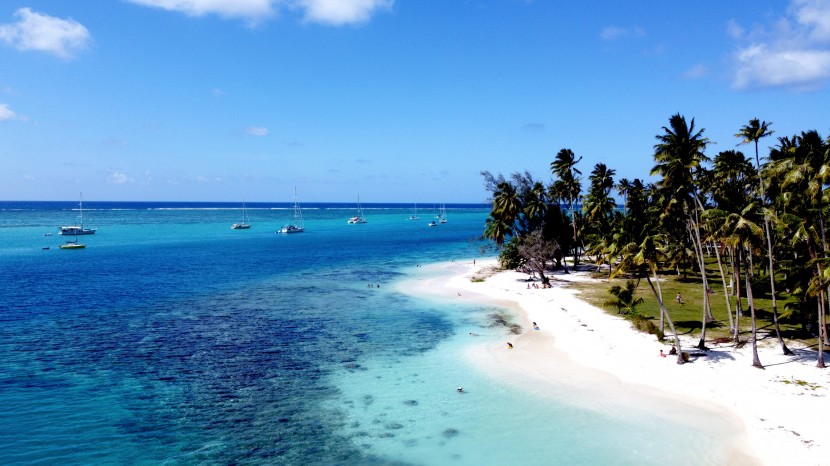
x: 36, y: 31
x: 793, y: 52
x: 612, y: 33
x: 253, y: 11
x: 340, y: 12
x: 6, y: 113
x: 333, y: 12
x: 117, y: 177
x: 257, y: 131
x: 696, y: 72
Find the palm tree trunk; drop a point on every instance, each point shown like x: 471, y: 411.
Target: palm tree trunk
x: 663, y: 311
x: 772, y: 289
x: 659, y: 300
x: 576, y: 246
x: 768, y: 234
x: 756, y: 361
x: 820, y: 361
x: 738, y: 313
x: 725, y: 291
x: 822, y: 329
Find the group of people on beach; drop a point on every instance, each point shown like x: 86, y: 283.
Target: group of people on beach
x: 536, y: 286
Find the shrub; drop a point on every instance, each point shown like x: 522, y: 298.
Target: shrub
x: 644, y: 324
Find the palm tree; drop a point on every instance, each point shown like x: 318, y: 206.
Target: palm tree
x: 598, y: 208
x: 643, y: 256
x: 753, y: 132
x: 624, y: 299
x: 505, y: 212
x: 729, y: 184
x: 567, y: 186
x: 740, y: 231
x: 803, y: 166
x: 679, y: 156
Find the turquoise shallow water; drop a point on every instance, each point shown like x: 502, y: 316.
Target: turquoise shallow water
x: 173, y: 339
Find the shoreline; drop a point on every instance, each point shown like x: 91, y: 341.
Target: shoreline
x: 778, y: 412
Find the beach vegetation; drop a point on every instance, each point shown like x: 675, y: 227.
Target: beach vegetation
x: 624, y: 299
x: 646, y: 325
x: 740, y: 244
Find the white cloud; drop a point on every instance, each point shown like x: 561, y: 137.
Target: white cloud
x: 36, y: 31
x: 255, y: 11
x: 612, y: 33
x: 257, y: 131
x: 6, y: 113
x: 334, y: 12
x: 793, y: 53
x: 339, y: 12
x: 119, y: 178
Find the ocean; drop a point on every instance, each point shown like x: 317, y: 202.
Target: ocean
x: 172, y: 339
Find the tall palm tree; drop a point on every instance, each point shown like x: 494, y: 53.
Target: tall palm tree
x: 598, y: 208
x: 729, y: 184
x: 742, y: 232
x: 802, y: 164
x: 567, y: 186
x: 752, y: 133
x: 679, y: 156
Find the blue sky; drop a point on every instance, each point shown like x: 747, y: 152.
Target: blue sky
x: 394, y: 100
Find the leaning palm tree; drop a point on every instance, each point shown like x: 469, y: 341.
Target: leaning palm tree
x: 752, y: 133
x: 643, y: 257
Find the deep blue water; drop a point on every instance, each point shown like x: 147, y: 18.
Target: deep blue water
x: 173, y: 338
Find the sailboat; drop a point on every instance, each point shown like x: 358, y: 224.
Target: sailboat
x: 245, y: 221
x: 72, y: 245
x: 415, y: 216
x: 359, y: 218
x: 443, y: 214
x: 297, y: 226
x: 77, y: 229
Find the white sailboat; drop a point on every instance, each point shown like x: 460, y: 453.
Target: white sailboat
x: 415, y: 216
x: 71, y: 245
x: 246, y: 222
x: 298, y: 226
x: 443, y: 214
x: 79, y: 229
x: 359, y: 218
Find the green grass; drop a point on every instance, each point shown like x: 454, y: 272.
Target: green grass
x: 687, y: 317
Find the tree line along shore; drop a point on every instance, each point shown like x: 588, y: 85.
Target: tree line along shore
x: 730, y: 247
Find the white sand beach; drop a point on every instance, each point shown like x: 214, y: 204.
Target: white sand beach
x: 782, y: 409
